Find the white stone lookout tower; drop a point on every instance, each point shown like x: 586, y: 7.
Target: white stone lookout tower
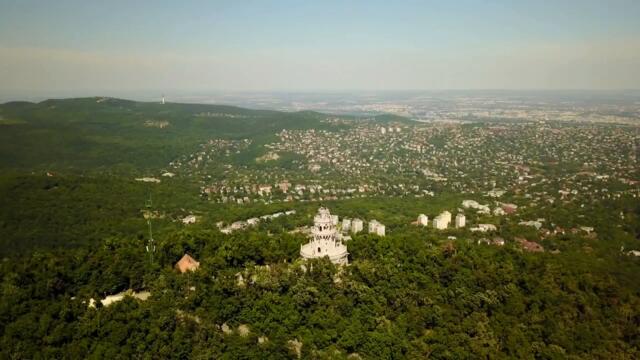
x: 326, y: 241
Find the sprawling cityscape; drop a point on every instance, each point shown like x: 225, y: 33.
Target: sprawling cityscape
x: 320, y: 180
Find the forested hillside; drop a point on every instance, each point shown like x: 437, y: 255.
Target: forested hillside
x: 113, y: 134
x: 86, y: 183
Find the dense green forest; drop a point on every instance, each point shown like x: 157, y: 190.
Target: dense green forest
x: 72, y: 228
x: 404, y: 296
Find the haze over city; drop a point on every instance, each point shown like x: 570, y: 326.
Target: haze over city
x: 116, y: 48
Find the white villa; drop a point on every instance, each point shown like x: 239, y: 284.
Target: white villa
x: 482, y: 209
x: 484, y: 228
x: 326, y: 240
x: 190, y: 219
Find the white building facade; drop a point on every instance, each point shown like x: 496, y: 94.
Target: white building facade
x: 346, y: 225
x: 375, y: 227
x: 442, y: 221
x: 356, y: 226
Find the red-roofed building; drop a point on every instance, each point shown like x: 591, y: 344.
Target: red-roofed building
x: 531, y: 246
x: 187, y: 263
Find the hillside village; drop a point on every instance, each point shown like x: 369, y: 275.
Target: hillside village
x: 576, y: 162
x: 508, y: 173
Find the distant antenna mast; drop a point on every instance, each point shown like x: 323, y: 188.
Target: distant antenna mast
x: 162, y: 99
x: 151, y: 246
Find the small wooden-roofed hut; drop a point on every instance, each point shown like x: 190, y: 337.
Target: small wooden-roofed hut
x: 187, y: 263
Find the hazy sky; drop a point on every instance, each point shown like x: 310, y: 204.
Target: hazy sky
x: 91, y: 46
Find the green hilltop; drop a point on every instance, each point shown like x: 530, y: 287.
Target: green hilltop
x: 99, y: 133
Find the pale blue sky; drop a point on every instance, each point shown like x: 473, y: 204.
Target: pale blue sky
x: 332, y: 45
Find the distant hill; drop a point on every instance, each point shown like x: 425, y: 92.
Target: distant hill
x: 101, y: 133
